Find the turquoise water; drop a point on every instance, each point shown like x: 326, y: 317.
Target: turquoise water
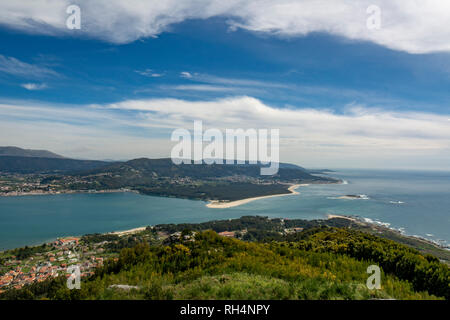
x: 424, y: 209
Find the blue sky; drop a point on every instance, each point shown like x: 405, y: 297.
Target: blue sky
x: 314, y: 71
x: 105, y: 95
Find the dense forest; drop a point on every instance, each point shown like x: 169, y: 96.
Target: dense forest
x: 320, y: 262
x: 229, y: 191
x: 256, y: 224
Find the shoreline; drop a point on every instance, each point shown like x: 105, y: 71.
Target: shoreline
x: 24, y: 194
x: 364, y: 221
x: 118, y: 233
x: 354, y: 219
x: 218, y: 204
x: 333, y: 216
x: 129, y: 231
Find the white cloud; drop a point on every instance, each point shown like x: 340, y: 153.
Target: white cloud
x: 212, y: 79
x: 149, y: 73
x: 75, y: 131
x: 359, y: 137
x: 359, y: 127
x: 13, y: 66
x: 185, y: 74
x: 34, y: 86
x: 200, y: 87
x: 412, y: 26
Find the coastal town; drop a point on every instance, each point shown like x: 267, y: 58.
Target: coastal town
x: 23, y: 267
x: 37, y: 184
x: 50, y: 260
x: 28, y: 265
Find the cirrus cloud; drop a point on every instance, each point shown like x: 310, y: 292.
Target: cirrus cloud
x: 34, y: 86
x: 358, y: 137
x: 358, y: 127
x: 15, y: 67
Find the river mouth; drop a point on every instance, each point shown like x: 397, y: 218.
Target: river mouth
x: 413, y: 203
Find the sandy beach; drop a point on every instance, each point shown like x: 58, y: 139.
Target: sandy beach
x: 124, y: 232
x: 229, y: 204
x: 331, y: 216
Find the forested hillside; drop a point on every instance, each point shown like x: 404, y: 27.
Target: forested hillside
x: 162, y: 177
x: 319, y: 263
x: 166, y: 168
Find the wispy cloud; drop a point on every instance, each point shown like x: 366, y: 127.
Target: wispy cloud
x: 361, y: 135
x: 13, y: 66
x: 34, y: 86
x: 415, y: 26
x: 149, y: 73
x: 295, y: 92
x: 212, y: 83
x: 238, y: 82
x: 199, y: 87
x: 352, y: 128
x: 185, y: 74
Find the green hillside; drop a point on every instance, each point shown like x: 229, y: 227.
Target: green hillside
x: 166, y: 168
x: 321, y: 263
x: 162, y: 177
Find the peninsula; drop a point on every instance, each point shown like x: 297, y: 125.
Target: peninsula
x: 229, y: 204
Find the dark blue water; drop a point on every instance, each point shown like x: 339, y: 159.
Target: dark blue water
x: 418, y: 202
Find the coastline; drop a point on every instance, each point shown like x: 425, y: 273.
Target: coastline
x: 225, y: 204
x: 129, y: 231
x: 332, y: 216
x: 50, y: 193
x: 118, y: 233
x: 217, y: 204
x: 382, y: 226
x: 355, y: 219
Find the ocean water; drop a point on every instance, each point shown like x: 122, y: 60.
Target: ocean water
x: 418, y: 203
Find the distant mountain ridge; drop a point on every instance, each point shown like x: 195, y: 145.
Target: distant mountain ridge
x: 27, y: 161
x: 160, y: 177
x: 32, y: 165
x: 19, y: 152
x: 144, y: 167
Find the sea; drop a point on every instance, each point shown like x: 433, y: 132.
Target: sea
x: 413, y: 202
